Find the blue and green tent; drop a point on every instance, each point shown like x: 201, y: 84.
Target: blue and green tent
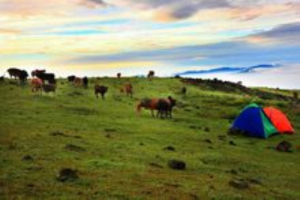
x: 253, y: 121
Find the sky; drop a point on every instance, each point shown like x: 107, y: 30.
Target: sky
x: 104, y: 37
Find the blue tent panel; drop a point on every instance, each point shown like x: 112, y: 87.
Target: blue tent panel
x: 251, y: 122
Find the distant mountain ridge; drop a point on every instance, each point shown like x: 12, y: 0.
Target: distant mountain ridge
x: 227, y: 70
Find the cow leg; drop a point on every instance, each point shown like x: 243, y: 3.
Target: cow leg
x: 170, y: 114
x: 158, y: 113
x: 152, y: 113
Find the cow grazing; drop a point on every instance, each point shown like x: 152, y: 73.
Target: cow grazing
x: 49, y: 88
x: 17, y: 73
x: 14, y: 72
x: 119, y: 75
x: 85, y: 82
x: 37, y: 71
x: 77, y: 82
x: 163, y: 106
x: 46, y: 77
x: 101, y: 89
x: 23, y: 76
x: 36, y: 85
x: 128, y: 89
x: 71, y: 78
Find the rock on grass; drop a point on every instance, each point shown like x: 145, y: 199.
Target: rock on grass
x: 67, y: 174
x: 284, y: 146
x: 169, y: 148
x: 177, y: 164
x: 27, y: 158
x: 73, y: 147
x: 239, y: 184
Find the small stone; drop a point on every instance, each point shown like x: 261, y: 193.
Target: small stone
x: 284, y: 146
x: 222, y: 137
x: 239, y: 184
x: 254, y: 181
x: 206, y: 129
x: 73, y: 147
x: 177, y: 164
x: 233, y: 171
x: 169, y: 148
x: 67, y: 174
x: 208, y: 141
x: 155, y: 165
x: 27, y: 158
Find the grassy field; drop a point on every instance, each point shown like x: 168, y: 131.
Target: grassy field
x: 119, y: 155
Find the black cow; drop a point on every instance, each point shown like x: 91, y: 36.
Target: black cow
x: 17, y: 73
x: 49, y: 77
x: 14, y: 72
x: 71, y: 78
x: 37, y: 71
x: 165, y: 107
x: 49, y: 88
x: 100, y: 89
x: 85, y: 81
x: 23, y: 76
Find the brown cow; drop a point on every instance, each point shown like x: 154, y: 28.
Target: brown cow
x: 163, y: 106
x: 77, y: 82
x: 36, y: 85
x: 128, y: 89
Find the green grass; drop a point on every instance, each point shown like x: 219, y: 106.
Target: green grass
x: 120, y: 146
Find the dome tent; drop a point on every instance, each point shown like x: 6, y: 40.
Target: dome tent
x: 254, y: 122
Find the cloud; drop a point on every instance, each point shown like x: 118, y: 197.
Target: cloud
x: 224, y: 53
x: 286, y: 33
x: 169, y: 9
x: 228, y: 70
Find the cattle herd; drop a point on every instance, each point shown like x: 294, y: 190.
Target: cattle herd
x: 42, y: 81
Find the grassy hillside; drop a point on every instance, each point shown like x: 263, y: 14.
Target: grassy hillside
x: 119, y: 155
